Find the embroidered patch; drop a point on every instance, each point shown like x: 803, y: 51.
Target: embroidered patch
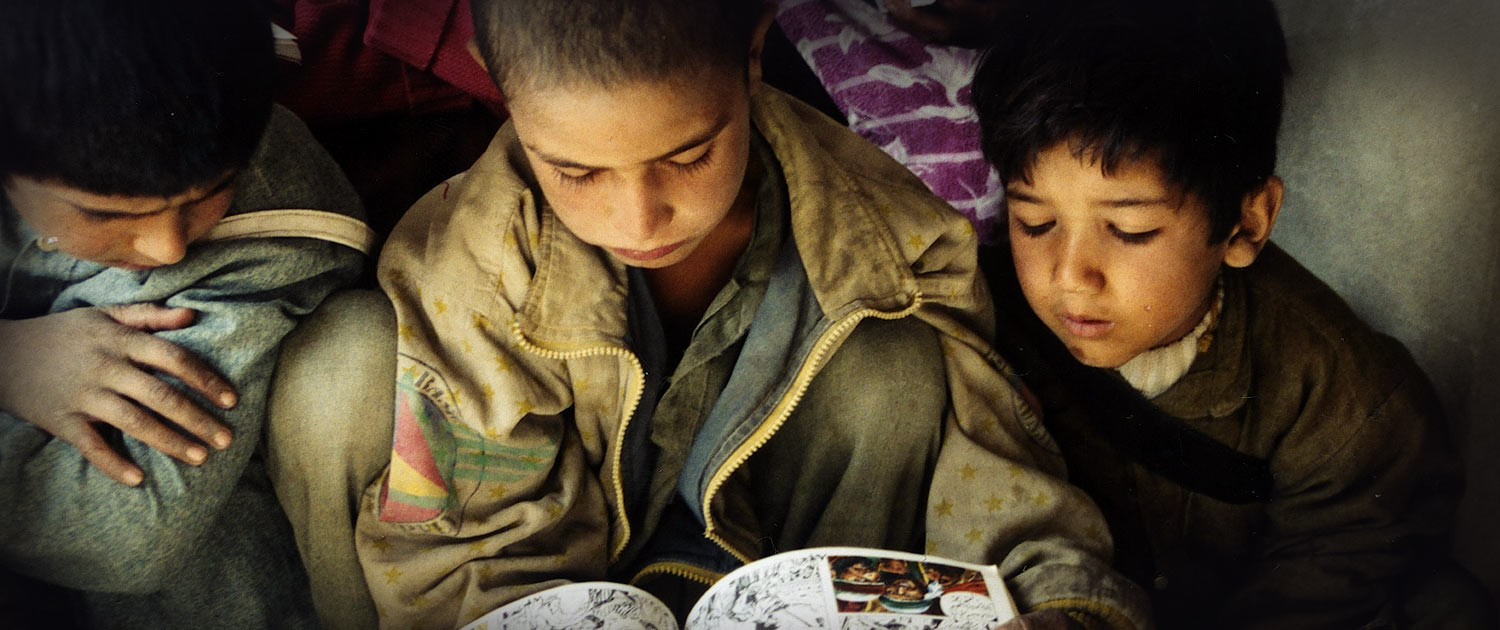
x: 423, y: 450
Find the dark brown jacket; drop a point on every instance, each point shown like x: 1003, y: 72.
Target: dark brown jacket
x: 1290, y: 479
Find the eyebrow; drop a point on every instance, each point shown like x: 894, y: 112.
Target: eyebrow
x: 695, y: 141
x: 1123, y: 202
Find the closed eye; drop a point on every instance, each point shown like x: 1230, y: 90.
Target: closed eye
x: 575, y: 180
x: 696, y: 163
x: 1033, y: 230
x: 1134, y: 238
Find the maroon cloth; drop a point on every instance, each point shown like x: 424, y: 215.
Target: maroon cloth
x: 350, y: 69
x: 432, y: 35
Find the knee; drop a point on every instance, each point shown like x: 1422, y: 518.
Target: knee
x: 334, y: 381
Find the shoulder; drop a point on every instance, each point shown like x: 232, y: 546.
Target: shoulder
x: 289, y: 169
x: 1295, y: 317
x: 472, y: 231
x: 1328, y: 375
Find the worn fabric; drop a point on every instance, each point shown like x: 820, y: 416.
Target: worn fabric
x: 203, y: 547
x: 327, y: 437
x: 516, y: 388
x: 1362, y: 480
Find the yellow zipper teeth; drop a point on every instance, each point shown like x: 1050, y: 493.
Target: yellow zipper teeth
x: 635, y: 401
x: 678, y: 569
x: 784, y: 409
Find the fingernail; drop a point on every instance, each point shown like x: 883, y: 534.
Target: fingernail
x: 196, y: 455
x: 226, y: 400
x: 220, y: 441
x: 133, y: 478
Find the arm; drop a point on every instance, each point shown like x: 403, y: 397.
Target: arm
x: 999, y: 496
x: 71, y: 524
x: 1347, y: 522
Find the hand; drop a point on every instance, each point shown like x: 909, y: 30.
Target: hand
x: 1051, y: 619
x: 65, y: 371
x: 956, y: 22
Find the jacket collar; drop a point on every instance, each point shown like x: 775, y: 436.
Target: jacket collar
x: 1218, y: 382
x: 861, y: 222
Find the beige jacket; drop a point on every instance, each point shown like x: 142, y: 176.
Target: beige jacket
x: 515, y: 386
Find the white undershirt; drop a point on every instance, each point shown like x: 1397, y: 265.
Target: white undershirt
x: 1154, y: 371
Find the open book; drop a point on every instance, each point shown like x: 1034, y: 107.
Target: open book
x: 843, y: 588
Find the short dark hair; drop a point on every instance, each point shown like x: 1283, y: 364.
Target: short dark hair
x: 1195, y: 85
x: 140, y: 97
x: 532, y: 43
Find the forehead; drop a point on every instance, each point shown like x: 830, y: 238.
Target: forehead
x: 626, y: 123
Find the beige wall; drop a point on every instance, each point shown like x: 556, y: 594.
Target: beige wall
x: 1391, y: 155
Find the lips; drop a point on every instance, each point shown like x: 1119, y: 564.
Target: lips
x: 646, y: 255
x: 1086, y: 328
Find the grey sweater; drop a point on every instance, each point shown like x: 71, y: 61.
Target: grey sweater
x: 203, y: 547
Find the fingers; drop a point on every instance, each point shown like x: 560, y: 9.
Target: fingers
x: 135, y: 422
x: 98, y: 452
x: 149, y: 317
x: 171, y: 403
x: 181, y: 363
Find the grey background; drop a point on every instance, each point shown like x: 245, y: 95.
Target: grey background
x: 1391, y: 155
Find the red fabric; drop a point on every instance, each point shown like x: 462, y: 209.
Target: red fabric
x: 431, y: 35
x: 342, y: 78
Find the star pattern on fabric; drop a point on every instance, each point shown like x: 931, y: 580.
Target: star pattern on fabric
x: 502, y: 363
x: 497, y: 492
x: 974, y: 535
x: 410, y: 373
x: 944, y: 508
x: 932, y: 548
x: 467, y: 346
x: 916, y: 241
x: 967, y: 472
x: 393, y: 576
x: 524, y: 407
x: 477, y: 547
x: 554, y: 510
x: 420, y: 601
x: 405, y: 331
x: 382, y: 545
x: 1041, y: 499
x: 439, y: 307
x: 487, y: 391
x: 486, y: 572
x: 994, y: 503
x: 481, y: 322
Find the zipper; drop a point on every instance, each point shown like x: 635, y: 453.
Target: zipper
x: 677, y: 569
x: 638, y: 386
x: 783, y: 410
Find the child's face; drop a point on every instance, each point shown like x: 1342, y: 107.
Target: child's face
x: 1115, y: 265
x: 645, y: 170
x: 130, y: 232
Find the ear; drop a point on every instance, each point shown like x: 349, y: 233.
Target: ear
x: 758, y: 43
x: 1257, y: 216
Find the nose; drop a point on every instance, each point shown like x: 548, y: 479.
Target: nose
x: 640, y: 210
x: 1078, y: 267
x: 163, y: 241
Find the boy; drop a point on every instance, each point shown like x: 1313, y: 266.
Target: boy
x: 127, y: 132
x: 673, y: 321
x: 1291, y: 466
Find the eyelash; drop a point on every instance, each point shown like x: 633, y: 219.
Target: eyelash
x: 1133, y: 238
x: 685, y: 168
x: 1129, y: 238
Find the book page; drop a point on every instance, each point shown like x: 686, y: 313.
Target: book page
x: 846, y: 588
x: 595, y: 605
